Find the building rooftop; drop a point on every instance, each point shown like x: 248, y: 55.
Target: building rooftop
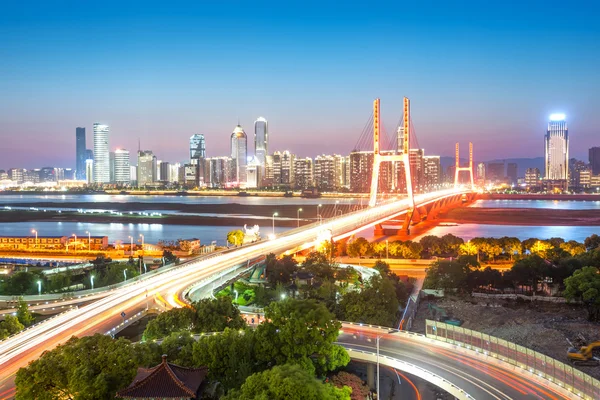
x: 165, y: 381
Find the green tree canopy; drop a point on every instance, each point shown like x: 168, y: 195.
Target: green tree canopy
x: 175, y: 320
x: 235, y: 237
x: 23, y: 314
x: 584, y: 285
x: 214, y: 315
x: 287, y: 382
x: 592, y: 242
x: 359, y: 247
x: 376, y: 303
x: 10, y: 326
x: 88, y: 368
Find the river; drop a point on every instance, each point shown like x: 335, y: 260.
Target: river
x: 550, y: 204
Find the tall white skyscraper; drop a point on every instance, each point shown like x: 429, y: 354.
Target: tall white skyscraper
x: 101, y: 154
x: 239, y: 154
x: 122, y: 167
x: 557, y: 148
x: 197, y: 148
x: 261, y: 140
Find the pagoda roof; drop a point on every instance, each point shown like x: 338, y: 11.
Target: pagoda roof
x: 165, y: 381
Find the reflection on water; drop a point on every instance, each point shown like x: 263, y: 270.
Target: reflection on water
x: 107, y: 198
x: 550, y: 204
x: 117, y: 231
x: 469, y: 231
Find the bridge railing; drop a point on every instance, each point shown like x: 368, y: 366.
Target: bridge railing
x: 562, y: 374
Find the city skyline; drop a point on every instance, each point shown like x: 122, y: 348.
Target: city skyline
x: 312, y: 78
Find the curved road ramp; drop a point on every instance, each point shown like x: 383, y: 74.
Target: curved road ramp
x: 469, y: 364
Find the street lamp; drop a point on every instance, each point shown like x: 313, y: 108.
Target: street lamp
x: 335, y: 208
x: 92, y: 280
x: 236, y: 294
x: 39, y: 283
x: 282, y: 296
x: 320, y: 205
x: 34, y: 231
x: 274, y: 215
x: 89, y: 239
x: 142, y: 236
x: 125, y: 274
x: 298, y: 215
x: 378, y: 337
x: 131, y: 248
x: 75, y: 242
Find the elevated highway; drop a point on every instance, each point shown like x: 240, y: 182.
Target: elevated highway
x: 102, y: 314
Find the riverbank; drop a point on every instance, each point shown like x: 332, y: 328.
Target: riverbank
x: 231, y: 214
x: 522, y: 216
x: 536, y: 196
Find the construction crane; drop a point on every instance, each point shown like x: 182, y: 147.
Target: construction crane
x: 585, y: 355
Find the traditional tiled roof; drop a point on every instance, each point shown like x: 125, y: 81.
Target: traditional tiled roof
x: 165, y: 381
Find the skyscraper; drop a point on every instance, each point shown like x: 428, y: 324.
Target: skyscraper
x: 261, y: 140
x: 101, y: 154
x: 197, y: 148
x: 557, y: 148
x: 511, y: 173
x: 80, y: 153
x: 146, y: 171
x: 122, y: 166
x: 595, y: 160
x: 239, y: 154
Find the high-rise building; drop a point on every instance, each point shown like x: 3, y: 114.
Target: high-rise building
x: 433, y: 171
x: 417, y: 169
x: 261, y: 140
x: 557, y: 148
x: 221, y: 171
x: 146, y: 171
x: 594, y: 153
x: 47, y: 174
x: 481, y: 173
x: 80, y: 155
x: 89, y: 170
x: 165, y: 172
x: 17, y: 175
x: 239, y: 154
x: 325, y: 173
x: 253, y: 173
x: 197, y: 148
x: 111, y: 165
x: 511, y: 173
x: 303, y: 172
x: 361, y: 167
x: 283, y: 169
x: 495, y: 172
x: 532, y: 177
x: 122, y: 167
x: 133, y: 174
x: 101, y: 154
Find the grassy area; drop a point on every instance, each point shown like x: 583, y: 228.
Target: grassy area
x: 245, y: 293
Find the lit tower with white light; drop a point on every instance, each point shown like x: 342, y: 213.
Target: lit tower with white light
x: 556, y: 144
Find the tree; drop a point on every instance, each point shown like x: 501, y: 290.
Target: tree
x: 169, y: 257
x: 378, y: 248
x: 382, y: 267
x: 175, y: 320
x: 592, y: 242
x: 451, y: 244
x: 448, y: 274
x: 491, y: 247
x: 376, y: 303
x: 10, y: 326
x: 359, y: 247
x: 230, y: 357
x: 296, y: 330
x: 433, y: 245
x: 584, y: 285
x: 92, y: 367
x: 23, y: 314
x: 511, y: 246
x: 468, y: 248
x: 287, y: 382
x: 281, y: 271
x: 360, y: 390
x: 573, y: 247
x: 235, y: 237
x: 320, y: 266
x: 528, y: 271
x: 214, y: 315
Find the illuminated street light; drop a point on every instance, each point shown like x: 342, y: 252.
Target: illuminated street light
x: 320, y: 205
x: 89, y: 239
x: 274, y: 215
x: 75, y: 241
x: 282, y: 296
x: 131, y: 248
x: 92, y: 280
x: 142, y: 236
x: 39, y: 283
x: 335, y: 208
x: 236, y: 294
x: 298, y: 217
x: 36, y: 233
x: 125, y: 274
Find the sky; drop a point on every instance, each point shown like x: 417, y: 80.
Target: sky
x: 490, y: 72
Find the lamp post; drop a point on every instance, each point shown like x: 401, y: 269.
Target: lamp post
x: 236, y: 294
x: 131, y: 248
x: 318, y: 210
x: 89, y: 239
x: 274, y: 215
x: 34, y: 231
x: 75, y: 241
x: 298, y: 217
x: 39, y: 283
x: 341, y: 212
x: 142, y: 236
x: 92, y: 280
x: 282, y: 296
x: 378, y: 337
x: 335, y: 208
x: 125, y: 274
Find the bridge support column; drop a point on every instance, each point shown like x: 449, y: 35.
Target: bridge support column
x: 379, y: 231
x: 371, y: 376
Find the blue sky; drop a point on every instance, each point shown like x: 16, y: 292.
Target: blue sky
x: 487, y: 72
